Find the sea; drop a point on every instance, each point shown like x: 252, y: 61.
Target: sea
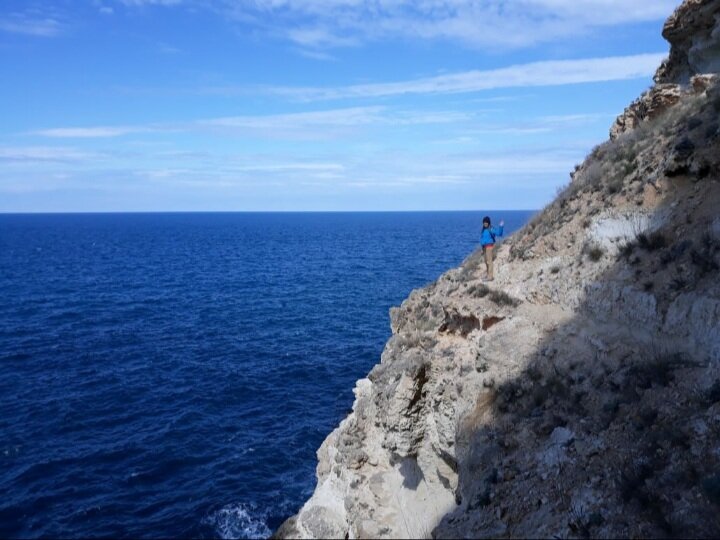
x: 173, y: 374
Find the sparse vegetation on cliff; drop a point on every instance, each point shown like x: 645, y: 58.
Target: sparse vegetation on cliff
x: 579, y: 395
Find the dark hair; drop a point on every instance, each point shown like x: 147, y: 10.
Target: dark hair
x: 486, y: 219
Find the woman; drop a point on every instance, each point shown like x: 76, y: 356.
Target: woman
x: 487, y: 241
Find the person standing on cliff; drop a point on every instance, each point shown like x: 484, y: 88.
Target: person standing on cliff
x: 487, y: 241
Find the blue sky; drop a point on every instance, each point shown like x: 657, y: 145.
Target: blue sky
x: 172, y: 105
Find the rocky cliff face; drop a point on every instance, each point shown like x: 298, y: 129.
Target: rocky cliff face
x: 694, y: 35
x: 578, y: 394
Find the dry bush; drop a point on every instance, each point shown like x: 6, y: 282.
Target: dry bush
x: 478, y: 290
x: 705, y: 257
x: 652, y: 241
x: 594, y: 251
x: 501, y: 298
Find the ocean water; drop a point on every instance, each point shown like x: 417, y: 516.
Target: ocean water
x: 167, y: 375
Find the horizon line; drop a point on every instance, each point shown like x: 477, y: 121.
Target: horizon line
x: 99, y: 212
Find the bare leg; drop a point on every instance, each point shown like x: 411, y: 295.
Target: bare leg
x: 488, y: 251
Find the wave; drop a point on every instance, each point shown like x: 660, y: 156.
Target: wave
x: 239, y: 520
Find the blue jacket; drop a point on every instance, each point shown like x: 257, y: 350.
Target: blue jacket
x: 486, y: 238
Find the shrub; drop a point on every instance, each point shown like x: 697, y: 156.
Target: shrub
x: 678, y: 284
x: 711, y: 131
x: 614, y: 185
x: 657, y: 370
x: 595, y: 252
x: 501, y: 298
x: 478, y: 291
x: 555, y: 269
x: 712, y: 394
x: 704, y: 258
x: 627, y: 249
x: 629, y: 167
x: 711, y: 486
x: 704, y: 261
x: 694, y: 123
x: 555, y: 386
x: 593, y: 174
x: 653, y: 241
x: 632, y: 480
x: 508, y: 394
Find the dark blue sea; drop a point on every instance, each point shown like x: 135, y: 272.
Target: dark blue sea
x: 172, y: 375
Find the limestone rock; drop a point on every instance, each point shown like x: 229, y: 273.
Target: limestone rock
x: 693, y: 31
x: 648, y: 106
x: 579, y: 394
x: 694, y: 42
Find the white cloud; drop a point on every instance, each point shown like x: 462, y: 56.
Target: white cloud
x: 316, y: 37
x: 313, y: 124
x: 30, y: 154
x: 353, y: 116
x: 543, y: 124
x: 164, y: 48
x: 478, y: 23
x: 31, y: 23
x: 233, y: 171
x: 316, y: 55
x: 382, y: 170
x: 97, y: 132
x: 141, y: 3
x: 285, y: 167
x: 323, y: 24
x: 338, y: 118
x: 548, y: 73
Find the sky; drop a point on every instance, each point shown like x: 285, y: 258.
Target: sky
x: 311, y: 105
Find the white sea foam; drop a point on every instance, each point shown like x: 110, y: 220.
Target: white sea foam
x: 239, y: 520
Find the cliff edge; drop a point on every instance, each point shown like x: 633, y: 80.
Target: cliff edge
x: 579, y: 394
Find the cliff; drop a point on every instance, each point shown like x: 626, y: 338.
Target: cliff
x: 578, y: 394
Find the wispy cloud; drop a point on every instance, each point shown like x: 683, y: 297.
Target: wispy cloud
x: 316, y: 55
x: 530, y: 75
x: 35, y: 154
x: 544, y: 124
x: 225, y: 173
x: 319, y: 37
x: 416, y: 178
x: 325, y: 123
x: 478, y: 23
x: 31, y: 23
x: 164, y: 48
x: 141, y: 3
x: 284, y: 167
x: 346, y: 117
x: 96, y: 132
x: 326, y: 24
x: 548, y: 73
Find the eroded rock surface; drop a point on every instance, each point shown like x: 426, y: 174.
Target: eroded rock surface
x: 692, y: 66
x: 579, y: 394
